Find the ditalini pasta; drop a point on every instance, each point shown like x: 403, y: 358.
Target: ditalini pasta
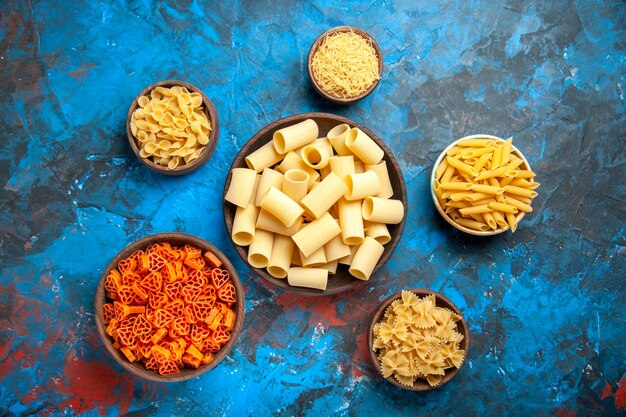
x: 308, y: 205
x: 308, y: 277
x: 242, y: 182
x: 484, y: 184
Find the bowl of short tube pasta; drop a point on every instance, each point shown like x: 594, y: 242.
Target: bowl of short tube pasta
x: 483, y: 185
x: 172, y: 127
x: 315, y: 203
x: 418, y: 339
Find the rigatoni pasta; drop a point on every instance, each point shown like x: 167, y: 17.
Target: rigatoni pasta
x: 484, y: 184
x: 304, y: 211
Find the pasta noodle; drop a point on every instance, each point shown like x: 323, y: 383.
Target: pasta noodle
x: 364, y: 147
x: 345, y: 64
x: 303, y: 207
x: 484, y: 185
x: 179, y: 118
x: 417, y: 339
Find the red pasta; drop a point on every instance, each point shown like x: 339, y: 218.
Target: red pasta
x: 168, y: 307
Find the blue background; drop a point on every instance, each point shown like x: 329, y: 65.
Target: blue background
x: 545, y: 305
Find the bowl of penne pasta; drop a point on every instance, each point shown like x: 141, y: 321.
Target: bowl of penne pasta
x: 172, y: 127
x: 418, y: 339
x: 169, y: 307
x: 315, y: 203
x: 483, y: 185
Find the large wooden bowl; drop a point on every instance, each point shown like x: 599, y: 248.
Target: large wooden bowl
x: 138, y: 368
x: 342, y: 280
x: 441, y: 301
x: 315, y: 46
x: 209, y: 111
x: 519, y: 216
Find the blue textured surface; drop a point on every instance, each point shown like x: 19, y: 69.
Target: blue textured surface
x: 545, y: 306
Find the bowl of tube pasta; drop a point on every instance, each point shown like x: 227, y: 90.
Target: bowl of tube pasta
x: 315, y: 203
x: 483, y: 185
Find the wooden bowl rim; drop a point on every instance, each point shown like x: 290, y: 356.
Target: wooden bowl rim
x: 137, y: 368
x: 313, y: 49
x: 209, y: 110
x: 239, y: 160
x: 520, y: 215
x: 441, y: 301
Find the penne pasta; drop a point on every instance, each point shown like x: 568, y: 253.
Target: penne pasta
x: 524, y: 192
x: 461, y: 166
x: 505, y: 208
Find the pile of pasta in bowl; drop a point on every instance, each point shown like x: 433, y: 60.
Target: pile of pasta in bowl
x: 306, y: 205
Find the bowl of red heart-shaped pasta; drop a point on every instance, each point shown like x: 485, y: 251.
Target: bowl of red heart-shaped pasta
x: 418, y: 339
x: 169, y: 307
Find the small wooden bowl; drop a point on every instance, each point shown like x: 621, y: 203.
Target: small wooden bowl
x: 214, y: 135
x: 441, y: 301
x: 138, y: 368
x: 519, y: 216
x: 316, y: 44
x: 342, y: 280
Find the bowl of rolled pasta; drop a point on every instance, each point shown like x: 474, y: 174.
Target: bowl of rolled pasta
x: 418, y: 339
x: 169, y: 307
x: 315, y: 203
x: 172, y: 127
x: 483, y: 185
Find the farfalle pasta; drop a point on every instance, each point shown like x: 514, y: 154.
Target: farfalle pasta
x: 170, y: 126
x: 417, y: 339
x: 169, y: 307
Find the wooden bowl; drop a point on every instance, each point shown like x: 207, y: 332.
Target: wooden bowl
x: 441, y: 301
x: 138, y: 368
x: 342, y: 280
x: 211, y: 114
x: 519, y: 216
x: 316, y: 44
